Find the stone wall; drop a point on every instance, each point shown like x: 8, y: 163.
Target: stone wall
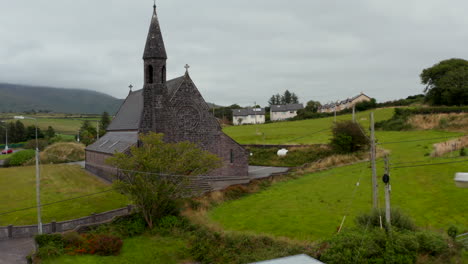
x: 8, y: 232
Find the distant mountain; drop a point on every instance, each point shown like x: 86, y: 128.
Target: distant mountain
x: 22, y: 98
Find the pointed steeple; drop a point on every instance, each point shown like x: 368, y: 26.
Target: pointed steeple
x: 154, y: 48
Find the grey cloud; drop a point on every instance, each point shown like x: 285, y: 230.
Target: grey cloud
x: 240, y: 51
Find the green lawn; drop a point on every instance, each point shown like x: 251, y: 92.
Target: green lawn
x: 62, y: 126
x: 141, y: 249
x: 313, y: 206
x: 7, y: 156
x: 58, y: 182
x: 297, y: 132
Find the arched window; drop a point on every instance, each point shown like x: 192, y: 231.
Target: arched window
x: 150, y: 74
x: 163, y: 74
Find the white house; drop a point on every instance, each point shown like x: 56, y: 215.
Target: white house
x: 283, y: 112
x: 345, y: 104
x: 248, y: 116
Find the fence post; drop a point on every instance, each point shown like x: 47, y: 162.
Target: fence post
x: 129, y: 208
x: 10, y: 231
x: 53, y: 226
x: 93, y: 217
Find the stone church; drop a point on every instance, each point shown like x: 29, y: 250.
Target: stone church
x: 172, y: 107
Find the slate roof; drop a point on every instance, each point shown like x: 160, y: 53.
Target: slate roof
x: 113, y: 142
x: 349, y: 100
x: 154, y: 48
x: 129, y: 115
x: 248, y: 111
x: 285, y: 108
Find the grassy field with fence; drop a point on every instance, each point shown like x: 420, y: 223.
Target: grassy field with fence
x: 312, y: 207
x: 58, y: 182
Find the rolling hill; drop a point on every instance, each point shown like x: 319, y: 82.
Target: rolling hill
x: 22, y: 98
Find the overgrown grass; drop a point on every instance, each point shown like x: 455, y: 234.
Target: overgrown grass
x: 298, y: 132
x: 58, y: 182
x: 141, y: 249
x: 62, y: 152
x: 6, y: 156
x: 313, y: 206
x: 295, y: 157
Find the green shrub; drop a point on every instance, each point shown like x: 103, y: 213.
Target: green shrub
x: 462, y: 152
x: 452, y: 232
x: 124, y: 226
x: 105, y: 245
x: 41, y: 143
x: 21, y: 157
x: 398, y: 219
x: 213, y: 247
x: 48, y: 251
x: 349, y: 137
x: 443, y: 123
x: 431, y: 243
x: 49, y: 239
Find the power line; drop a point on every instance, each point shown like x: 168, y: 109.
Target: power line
x: 418, y: 161
x: 416, y: 140
x: 429, y: 164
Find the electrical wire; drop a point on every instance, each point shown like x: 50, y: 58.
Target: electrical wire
x: 416, y: 140
x: 429, y: 164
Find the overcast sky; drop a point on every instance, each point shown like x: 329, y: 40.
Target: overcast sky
x: 240, y: 51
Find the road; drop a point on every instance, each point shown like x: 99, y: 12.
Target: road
x: 15, y: 251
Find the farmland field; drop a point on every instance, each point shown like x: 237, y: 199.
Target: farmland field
x: 58, y: 182
x: 313, y: 206
x: 298, y: 132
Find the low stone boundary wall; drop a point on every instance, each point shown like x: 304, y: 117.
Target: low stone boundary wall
x: 8, y: 232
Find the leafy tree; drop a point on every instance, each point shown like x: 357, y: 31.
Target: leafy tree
x: 446, y: 82
x: 87, y: 133
x: 287, y: 97
x: 155, y: 175
x: 12, y: 133
x: 50, y: 133
x: 313, y: 106
x: 105, y: 121
x: 20, y: 133
x: 348, y: 136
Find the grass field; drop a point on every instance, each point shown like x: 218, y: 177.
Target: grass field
x: 58, y: 182
x: 142, y: 249
x: 297, y: 132
x: 7, y: 156
x: 313, y: 206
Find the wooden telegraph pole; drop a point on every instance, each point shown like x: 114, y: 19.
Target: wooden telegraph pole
x: 354, y: 113
x: 388, y: 188
x: 374, y: 168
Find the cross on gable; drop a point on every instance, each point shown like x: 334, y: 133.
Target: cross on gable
x: 130, y: 86
x: 186, y: 67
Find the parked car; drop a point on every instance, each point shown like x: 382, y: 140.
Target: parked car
x: 7, y: 151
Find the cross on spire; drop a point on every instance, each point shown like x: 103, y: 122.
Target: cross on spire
x: 154, y: 6
x: 186, y: 67
x: 130, y: 86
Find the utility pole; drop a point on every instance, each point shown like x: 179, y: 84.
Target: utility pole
x: 388, y: 188
x: 354, y: 113
x: 375, y: 201
x: 335, y: 112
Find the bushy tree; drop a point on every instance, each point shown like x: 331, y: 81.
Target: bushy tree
x: 312, y: 106
x: 105, y: 121
x: 348, y: 136
x: 446, y: 82
x: 50, y: 133
x: 156, y: 174
x: 87, y: 133
x: 286, y: 98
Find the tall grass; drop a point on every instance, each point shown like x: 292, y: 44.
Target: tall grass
x: 448, y: 146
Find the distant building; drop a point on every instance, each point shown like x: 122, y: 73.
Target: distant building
x: 345, y: 104
x: 248, y: 116
x: 283, y: 112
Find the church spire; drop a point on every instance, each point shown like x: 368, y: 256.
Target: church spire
x: 154, y: 48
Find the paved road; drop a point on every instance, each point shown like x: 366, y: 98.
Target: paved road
x: 14, y: 251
